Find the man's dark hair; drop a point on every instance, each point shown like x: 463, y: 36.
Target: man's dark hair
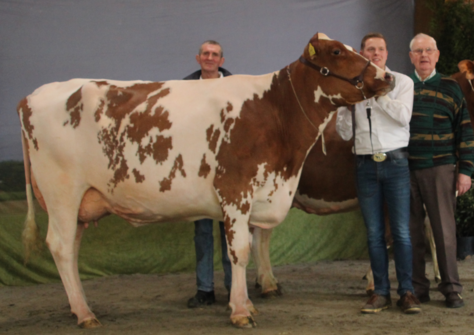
x: 371, y: 35
x: 213, y: 43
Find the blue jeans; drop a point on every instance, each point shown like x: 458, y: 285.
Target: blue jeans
x: 204, y: 243
x: 388, y: 182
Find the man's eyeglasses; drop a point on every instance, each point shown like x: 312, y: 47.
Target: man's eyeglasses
x: 419, y: 52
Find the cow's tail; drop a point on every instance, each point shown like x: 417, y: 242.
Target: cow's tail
x: 31, y: 236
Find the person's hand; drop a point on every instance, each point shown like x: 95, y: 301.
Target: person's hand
x: 463, y: 184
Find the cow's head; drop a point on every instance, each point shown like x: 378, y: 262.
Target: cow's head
x: 347, y: 76
x: 465, y: 78
x: 467, y: 66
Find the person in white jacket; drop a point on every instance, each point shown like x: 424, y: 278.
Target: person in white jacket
x: 381, y: 136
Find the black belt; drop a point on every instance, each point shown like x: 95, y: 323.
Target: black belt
x: 390, y: 155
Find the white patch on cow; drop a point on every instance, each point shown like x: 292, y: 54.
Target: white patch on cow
x: 323, y: 36
x: 348, y: 47
x: 322, y: 126
x: 320, y: 93
x: 380, y: 74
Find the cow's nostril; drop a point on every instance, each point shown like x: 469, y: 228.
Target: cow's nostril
x: 388, y: 77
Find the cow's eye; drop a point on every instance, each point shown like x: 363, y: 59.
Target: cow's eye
x: 336, y: 52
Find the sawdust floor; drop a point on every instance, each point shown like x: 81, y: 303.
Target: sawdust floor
x: 321, y: 298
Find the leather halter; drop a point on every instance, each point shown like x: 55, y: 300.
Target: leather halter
x: 357, y: 81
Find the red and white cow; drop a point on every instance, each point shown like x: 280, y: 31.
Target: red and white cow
x: 231, y: 149
x: 327, y: 186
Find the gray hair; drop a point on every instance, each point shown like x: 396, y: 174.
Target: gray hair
x: 425, y: 36
x: 213, y: 43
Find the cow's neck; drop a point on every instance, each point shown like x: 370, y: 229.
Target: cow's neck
x: 307, y: 114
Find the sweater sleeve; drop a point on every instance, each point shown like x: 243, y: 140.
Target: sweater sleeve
x: 464, y: 137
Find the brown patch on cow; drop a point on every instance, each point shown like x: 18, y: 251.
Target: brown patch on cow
x: 274, y: 190
x: 99, y: 111
x: 227, y: 124
x: 245, y: 208
x: 271, y: 138
x: 74, y: 107
x: 165, y: 184
x: 235, y: 259
x: 120, y: 173
x: 100, y: 83
x: 228, y: 109
x: 204, y: 168
x: 25, y: 113
x: 141, y: 124
x: 230, y: 235
x: 214, y: 139
x: 251, y: 230
x: 122, y: 103
x: 158, y: 149
x: 212, y: 136
x: 139, y: 178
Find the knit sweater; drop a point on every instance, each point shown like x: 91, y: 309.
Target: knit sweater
x: 440, y: 127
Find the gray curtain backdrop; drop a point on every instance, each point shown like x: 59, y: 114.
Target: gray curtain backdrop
x: 44, y: 41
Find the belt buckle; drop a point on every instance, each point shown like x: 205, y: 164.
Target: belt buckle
x: 379, y: 157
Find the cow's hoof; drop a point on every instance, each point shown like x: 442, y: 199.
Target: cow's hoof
x: 369, y: 292
x: 91, y: 323
x: 273, y: 293
x: 244, y: 322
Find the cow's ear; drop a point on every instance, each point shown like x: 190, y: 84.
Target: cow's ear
x: 468, y: 67
x: 313, y: 46
x: 311, y: 50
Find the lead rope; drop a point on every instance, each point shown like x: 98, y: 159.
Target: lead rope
x: 323, y: 142
x: 368, y: 109
x: 299, y: 103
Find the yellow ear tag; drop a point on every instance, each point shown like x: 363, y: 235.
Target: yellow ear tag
x: 311, y: 50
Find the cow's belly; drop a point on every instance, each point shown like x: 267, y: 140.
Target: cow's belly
x: 95, y: 205
x: 323, y: 207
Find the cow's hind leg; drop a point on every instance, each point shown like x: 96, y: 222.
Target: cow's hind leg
x: 238, y: 244
x: 63, y: 239
x: 261, y: 256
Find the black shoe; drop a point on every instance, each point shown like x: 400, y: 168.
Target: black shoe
x: 454, y: 300
x: 202, y: 299
x: 424, y: 298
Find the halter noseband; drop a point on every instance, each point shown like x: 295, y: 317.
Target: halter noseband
x: 357, y: 81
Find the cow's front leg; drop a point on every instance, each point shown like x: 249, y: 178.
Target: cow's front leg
x: 238, y: 247
x: 261, y: 256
